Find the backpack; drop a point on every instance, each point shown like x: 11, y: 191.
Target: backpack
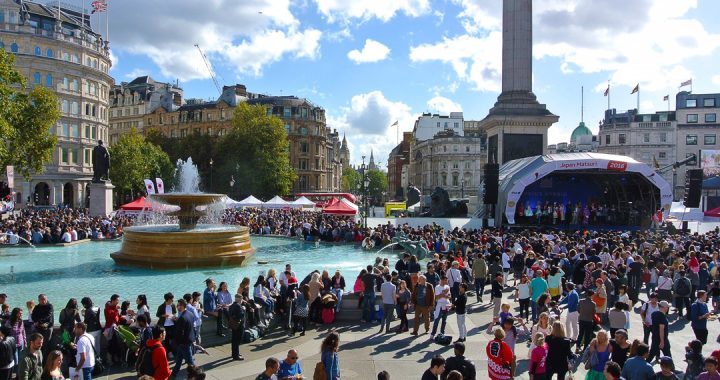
x: 443, y: 340
x: 683, y: 288
x: 144, y: 365
x: 250, y: 335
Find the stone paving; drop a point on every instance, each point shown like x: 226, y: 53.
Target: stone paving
x: 364, y: 352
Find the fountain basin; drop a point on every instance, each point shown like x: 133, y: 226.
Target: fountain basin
x: 189, y: 214
x: 171, y: 247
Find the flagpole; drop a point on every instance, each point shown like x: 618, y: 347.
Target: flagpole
x: 638, y: 100
x: 608, y: 90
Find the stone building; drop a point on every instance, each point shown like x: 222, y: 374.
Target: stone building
x: 56, y: 47
x: 398, y: 159
x: 130, y: 102
x: 697, y: 129
x: 344, y: 153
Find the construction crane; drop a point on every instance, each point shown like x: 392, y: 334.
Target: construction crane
x: 210, y: 70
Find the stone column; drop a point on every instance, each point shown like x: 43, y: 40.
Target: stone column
x: 517, y: 46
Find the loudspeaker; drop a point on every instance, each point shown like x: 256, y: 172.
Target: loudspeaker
x: 491, y: 183
x: 693, y: 187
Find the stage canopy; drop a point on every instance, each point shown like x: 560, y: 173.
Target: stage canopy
x: 518, y: 175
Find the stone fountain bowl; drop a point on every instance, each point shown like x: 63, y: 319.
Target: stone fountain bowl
x: 180, y: 199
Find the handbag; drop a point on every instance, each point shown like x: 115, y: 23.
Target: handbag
x: 319, y: 373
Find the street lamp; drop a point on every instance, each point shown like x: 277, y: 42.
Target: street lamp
x: 462, y: 188
x: 366, y: 182
x: 211, y: 179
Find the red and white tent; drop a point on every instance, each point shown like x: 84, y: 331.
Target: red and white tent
x: 342, y: 207
x: 136, y: 205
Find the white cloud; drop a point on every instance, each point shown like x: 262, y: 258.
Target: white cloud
x: 137, y: 72
x: 384, y: 10
x: 244, y: 36
x: 443, y: 105
x: 373, y: 51
x: 716, y: 80
x: 367, y: 121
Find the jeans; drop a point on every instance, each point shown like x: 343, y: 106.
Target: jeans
x: 497, y: 303
x: 462, y: 330
x: 655, y: 349
x: 183, y: 352
x: 646, y: 333
x: 87, y: 373
x: 586, y: 334
x: 479, y: 287
x: 440, y: 314
x: 388, y: 313
x: 524, y: 307
x: 571, y: 325
x: 368, y: 308
x: 534, y: 309
x: 683, y: 303
x: 339, y: 294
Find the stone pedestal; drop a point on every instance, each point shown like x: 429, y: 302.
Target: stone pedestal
x: 101, y: 198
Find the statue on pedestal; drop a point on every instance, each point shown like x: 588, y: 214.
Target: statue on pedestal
x: 101, y: 163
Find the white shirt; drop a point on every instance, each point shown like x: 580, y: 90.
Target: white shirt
x: 454, y: 276
x: 283, y: 279
x: 649, y: 311
x: 66, y: 237
x: 442, y: 302
x: 168, y: 311
x: 85, y: 345
x: 505, y: 261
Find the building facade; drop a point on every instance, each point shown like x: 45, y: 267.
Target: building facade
x: 448, y: 160
x: 56, y: 48
x: 130, y: 102
x: 697, y: 129
x: 398, y: 159
x: 427, y: 125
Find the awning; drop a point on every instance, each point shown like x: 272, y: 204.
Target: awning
x: 303, y: 202
x: 343, y: 207
x: 136, y: 205
x: 714, y: 213
x: 249, y: 202
x: 276, y: 202
x: 516, y: 175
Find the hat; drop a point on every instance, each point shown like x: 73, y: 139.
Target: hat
x: 622, y: 332
x: 664, y: 304
x: 667, y: 361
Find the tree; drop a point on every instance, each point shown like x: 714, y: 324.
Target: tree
x: 350, y: 180
x: 378, y: 184
x: 255, y: 153
x: 135, y: 159
x: 25, y: 121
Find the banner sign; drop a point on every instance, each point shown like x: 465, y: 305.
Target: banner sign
x: 10, y: 176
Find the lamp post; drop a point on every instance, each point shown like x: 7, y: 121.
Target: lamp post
x: 211, y: 174
x: 366, y: 183
x: 462, y: 188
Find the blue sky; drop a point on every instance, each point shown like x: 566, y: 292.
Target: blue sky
x: 372, y: 62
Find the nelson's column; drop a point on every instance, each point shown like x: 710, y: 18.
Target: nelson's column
x: 517, y: 125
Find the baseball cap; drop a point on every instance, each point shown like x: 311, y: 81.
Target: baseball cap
x: 667, y: 361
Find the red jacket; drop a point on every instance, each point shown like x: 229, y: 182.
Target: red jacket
x: 159, y: 360
x: 112, y: 315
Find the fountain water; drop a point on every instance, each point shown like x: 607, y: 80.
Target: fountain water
x: 187, y: 244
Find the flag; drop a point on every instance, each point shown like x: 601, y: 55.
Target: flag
x: 395, y: 123
x: 160, y: 186
x: 666, y: 98
x: 636, y: 89
x: 99, y: 6
x: 149, y: 187
x: 607, y: 91
x: 686, y: 83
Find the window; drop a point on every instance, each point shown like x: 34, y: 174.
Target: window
x: 74, y: 132
x: 302, y: 165
x: 317, y: 164
x: 438, y: 124
x: 64, y: 154
x: 662, y: 155
x: 621, y: 138
x: 607, y: 139
x: 646, y: 137
x: 2, y: 44
x: 287, y: 126
x: 269, y: 111
x: 692, y: 118
x: 467, y: 149
x: 691, y: 140
x: 691, y: 103
x: 65, y: 130
x: 183, y: 132
x: 66, y: 56
x: 303, y: 131
x: 467, y: 164
x: 64, y: 106
x: 710, y: 118
x: 14, y: 47
x: 709, y: 140
x: 709, y: 102
x: 456, y: 180
x: 222, y: 114
x: 456, y: 165
x: 287, y: 112
x: 49, y: 52
x: 662, y: 136
x: 455, y: 148
x: 303, y: 147
x: 48, y: 80
x: 74, y: 108
x: 149, y: 121
x: 38, y: 51
x: 457, y: 125
x: 38, y: 78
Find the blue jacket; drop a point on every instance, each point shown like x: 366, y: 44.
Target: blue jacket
x: 572, y: 301
x: 209, y: 300
x: 698, y: 309
x: 331, y: 361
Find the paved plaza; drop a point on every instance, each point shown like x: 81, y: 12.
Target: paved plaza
x: 364, y: 352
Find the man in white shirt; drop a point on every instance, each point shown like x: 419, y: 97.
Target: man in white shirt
x: 66, y: 237
x: 85, y: 346
x: 505, y: 266
x: 454, y: 279
x: 442, y: 305
x: 283, y: 277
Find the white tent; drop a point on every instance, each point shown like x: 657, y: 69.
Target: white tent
x: 250, y: 202
x: 229, y: 202
x: 347, y: 202
x: 679, y: 212
x: 303, y: 202
x: 277, y: 202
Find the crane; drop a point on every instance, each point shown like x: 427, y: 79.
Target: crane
x: 209, y: 67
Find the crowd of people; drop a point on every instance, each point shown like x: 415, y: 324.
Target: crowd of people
x: 570, y: 294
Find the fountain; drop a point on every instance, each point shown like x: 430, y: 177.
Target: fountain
x: 186, y: 244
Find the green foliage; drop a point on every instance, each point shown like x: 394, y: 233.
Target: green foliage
x: 198, y: 146
x: 25, y: 121
x: 255, y: 153
x: 378, y: 184
x: 350, y: 180
x: 134, y: 159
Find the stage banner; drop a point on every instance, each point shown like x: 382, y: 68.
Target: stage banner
x: 710, y: 163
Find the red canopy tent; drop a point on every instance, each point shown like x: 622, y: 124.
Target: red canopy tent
x: 340, y: 208
x: 327, y: 203
x: 715, y: 213
x: 136, y: 205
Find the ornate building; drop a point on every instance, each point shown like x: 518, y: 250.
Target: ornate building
x: 344, y: 153
x: 131, y: 102
x: 56, y: 47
